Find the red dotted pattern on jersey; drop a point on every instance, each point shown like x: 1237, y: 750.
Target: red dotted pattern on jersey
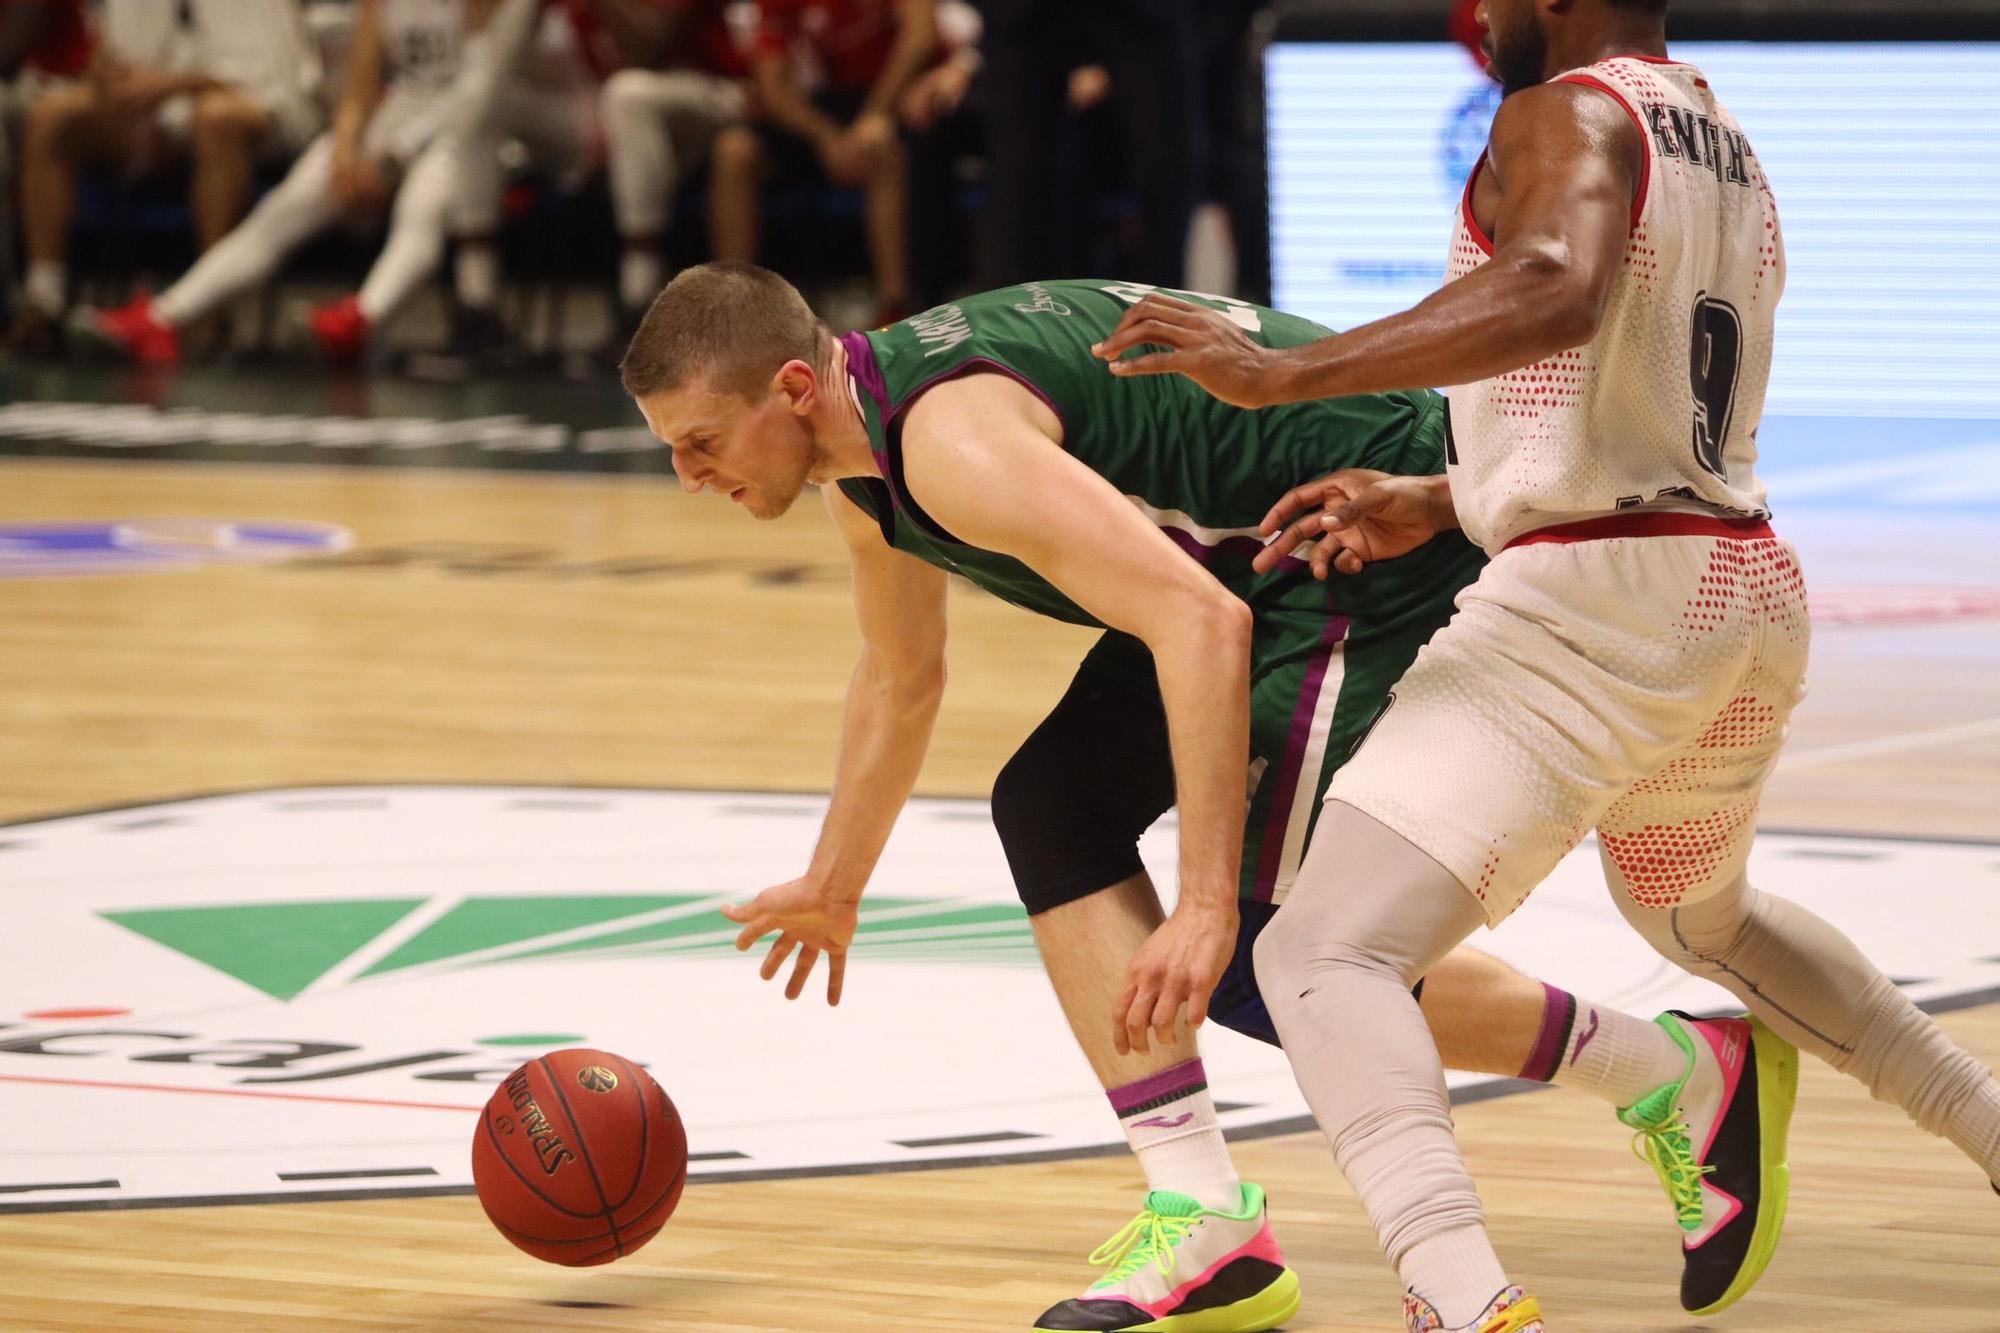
x: 1486, y: 874
x: 1748, y: 578
x: 1744, y: 724
x: 1661, y: 862
x: 1465, y: 253
x: 1642, y: 258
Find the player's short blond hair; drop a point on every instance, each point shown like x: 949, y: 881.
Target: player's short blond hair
x: 731, y: 322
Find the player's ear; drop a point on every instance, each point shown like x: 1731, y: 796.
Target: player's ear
x: 799, y: 383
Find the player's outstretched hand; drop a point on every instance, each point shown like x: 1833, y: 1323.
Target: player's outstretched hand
x: 1179, y: 964
x: 806, y: 919
x: 1349, y: 519
x: 1202, y: 344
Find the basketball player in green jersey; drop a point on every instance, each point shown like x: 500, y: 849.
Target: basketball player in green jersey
x: 983, y: 438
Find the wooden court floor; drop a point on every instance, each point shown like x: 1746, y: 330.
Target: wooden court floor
x: 608, y: 630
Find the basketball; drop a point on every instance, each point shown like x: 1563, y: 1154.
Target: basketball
x: 579, y: 1157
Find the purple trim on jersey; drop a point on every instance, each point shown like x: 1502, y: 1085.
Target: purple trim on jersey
x: 1245, y: 547
x: 966, y: 367
x: 1272, y: 850
x: 867, y: 372
x: 1167, y: 1085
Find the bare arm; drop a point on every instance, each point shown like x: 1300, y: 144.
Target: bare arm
x: 916, y: 39
x: 892, y: 701
x: 982, y: 455
x: 785, y: 105
x: 1568, y: 162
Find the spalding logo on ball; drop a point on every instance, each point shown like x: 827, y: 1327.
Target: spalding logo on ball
x: 579, y: 1178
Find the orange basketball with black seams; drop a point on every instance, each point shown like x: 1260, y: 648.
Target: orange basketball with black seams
x: 579, y: 1157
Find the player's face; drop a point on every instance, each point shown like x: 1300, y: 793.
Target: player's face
x: 757, y: 452
x: 1516, y: 43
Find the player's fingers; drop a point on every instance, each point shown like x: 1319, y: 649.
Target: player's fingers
x: 836, y: 974
x: 1155, y: 363
x: 1166, y: 1009
x: 758, y: 928
x: 1121, y: 1040
x: 1348, y: 561
x: 1306, y: 495
x: 797, y: 985
x: 1139, y: 1016
x: 1301, y: 531
x: 1370, y: 501
x: 1197, y: 1006
x: 776, y: 958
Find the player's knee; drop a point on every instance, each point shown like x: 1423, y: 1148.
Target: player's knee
x: 226, y: 121
x: 1278, y: 960
x: 624, y: 96
x: 52, y: 122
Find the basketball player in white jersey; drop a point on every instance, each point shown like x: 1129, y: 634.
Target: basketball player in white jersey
x: 403, y: 59
x: 1627, y: 662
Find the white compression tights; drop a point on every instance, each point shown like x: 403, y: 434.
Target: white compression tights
x: 1816, y: 989
x: 303, y: 204
x: 1370, y: 913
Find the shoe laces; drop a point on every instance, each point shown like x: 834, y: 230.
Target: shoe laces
x: 1149, y: 1237
x: 1667, y: 1148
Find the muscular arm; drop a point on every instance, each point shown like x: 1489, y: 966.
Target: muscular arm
x: 1568, y: 163
x: 892, y: 700
x: 981, y: 455
x: 916, y: 38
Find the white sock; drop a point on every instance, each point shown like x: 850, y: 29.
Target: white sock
x: 1169, y: 1119
x: 639, y: 274
x: 1618, y: 1057
x: 45, y: 284
x: 476, y: 274
x: 1457, y: 1272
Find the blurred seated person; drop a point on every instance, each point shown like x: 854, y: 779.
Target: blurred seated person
x: 686, y: 80
x: 43, y: 43
x: 827, y: 75
x: 217, y: 84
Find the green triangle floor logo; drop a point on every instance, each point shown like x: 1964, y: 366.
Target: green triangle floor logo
x: 285, y: 948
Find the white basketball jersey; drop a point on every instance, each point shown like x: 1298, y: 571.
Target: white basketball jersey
x: 422, y: 43
x: 1660, y: 410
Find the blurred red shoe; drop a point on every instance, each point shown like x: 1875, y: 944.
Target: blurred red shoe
x: 341, y: 331
x: 136, y: 332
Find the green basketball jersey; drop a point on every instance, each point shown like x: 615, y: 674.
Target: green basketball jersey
x: 1204, y: 472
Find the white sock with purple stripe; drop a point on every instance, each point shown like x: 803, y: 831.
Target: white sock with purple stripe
x: 1588, y: 1047
x: 1169, y: 1119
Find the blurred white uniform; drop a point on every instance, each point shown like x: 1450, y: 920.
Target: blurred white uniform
x: 423, y: 59
x: 258, y: 46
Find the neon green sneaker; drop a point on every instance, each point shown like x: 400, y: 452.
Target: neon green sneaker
x: 1183, y: 1268
x: 1717, y: 1141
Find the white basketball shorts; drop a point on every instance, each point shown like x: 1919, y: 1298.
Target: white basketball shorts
x: 1634, y: 674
